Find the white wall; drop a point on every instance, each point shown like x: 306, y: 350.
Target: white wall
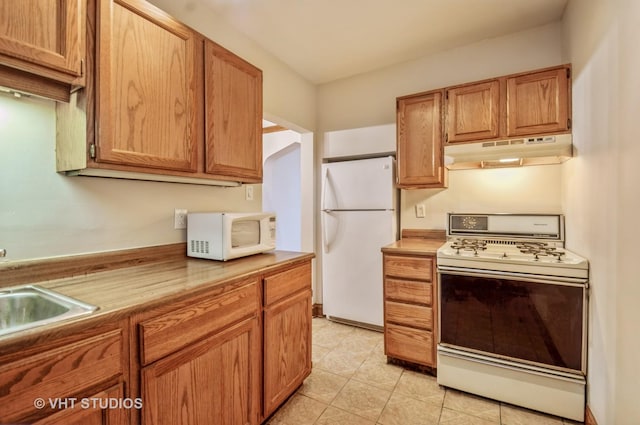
x: 369, y: 99
x: 44, y: 214
x: 601, y: 196
x: 535, y: 189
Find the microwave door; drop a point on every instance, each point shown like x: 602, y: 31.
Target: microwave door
x: 245, y: 233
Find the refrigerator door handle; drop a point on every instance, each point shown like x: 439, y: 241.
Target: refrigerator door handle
x: 325, y: 236
x: 325, y: 182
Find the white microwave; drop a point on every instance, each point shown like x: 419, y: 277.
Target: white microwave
x: 224, y: 236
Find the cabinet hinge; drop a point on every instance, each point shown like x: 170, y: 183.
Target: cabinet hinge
x: 568, y: 73
x: 446, y: 137
x: 92, y: 150
x: 81, y: 67
x: 569, y: 123
x: 446, y: 95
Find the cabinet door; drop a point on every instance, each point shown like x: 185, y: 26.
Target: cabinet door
x: 233, y: 115
x: 473, y: 112
x: 419, y: 141
x: 287, y: 348
x: 94, y: 412
x: 538, y: 103
x: 48, y: 33
x: 214, y: 381
x: 146, y: 88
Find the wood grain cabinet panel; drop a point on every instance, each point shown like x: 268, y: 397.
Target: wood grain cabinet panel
x: 410, y: 313
x: 413, y: 345
x: 61, y: 372
x: 538, y: 103
x: 214, y: 381
x: 410, y: 267
x: 287, y: 348
x: 95, y: 413
x: 146, y: 88
x: 233, y: 115
x: 419, y: 141
x: 287, y: 334
x: 172, y: 331
x: 473, y: 112
x: 44, y: 38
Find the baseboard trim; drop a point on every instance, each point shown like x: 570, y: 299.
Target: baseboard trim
x: 589, y: 419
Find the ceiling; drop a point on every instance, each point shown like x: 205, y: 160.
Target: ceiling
x: 325, y: 40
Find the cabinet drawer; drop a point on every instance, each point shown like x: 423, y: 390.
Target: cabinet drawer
x: 286, y: 283
x: 58, y: 373
x: 419, y: 268
x: 412, y: 291
x: 408, y: 314
x: 170, y: 332
x: 409, y: 344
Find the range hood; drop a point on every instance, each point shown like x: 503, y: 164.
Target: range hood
x: 509, y: 153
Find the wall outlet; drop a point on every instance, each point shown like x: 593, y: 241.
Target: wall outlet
x: 420, y: 210
x: 248, y: 192
x: 180, y: 219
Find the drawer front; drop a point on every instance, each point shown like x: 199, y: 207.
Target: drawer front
x: 170, y: 332
x: 58, y: 373
x: 283, y: 284
x: 419, y: 268
x: 407, y: 314
x: 411, y: 291
x: 413, y: 345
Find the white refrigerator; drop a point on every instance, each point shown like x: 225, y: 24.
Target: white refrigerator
x: 359, y: 216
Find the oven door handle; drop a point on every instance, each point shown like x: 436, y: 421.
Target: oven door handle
x: 554, y: 280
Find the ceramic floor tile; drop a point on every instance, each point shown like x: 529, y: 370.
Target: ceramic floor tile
x: 318, y: 352
x: 381, y: 375
x: 341, y: 362
x: 403, y: 410
x: 334, y: 416
x: 361, y: 399
x: 453, y: 417
x: 472, y: 405
x: 512, y: 415
x: 322, y: 385
x: 299, y: 410
x: 330, y: 335
x: 420, y: 386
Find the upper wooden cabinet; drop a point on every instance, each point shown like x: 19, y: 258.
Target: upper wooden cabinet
x: 233, y: 102
x: 146, y: 88
x: 162, y: 103
x: 526, y: 104
x: 473, y: 112
x: 419, y: 141
x: 539, y: 102
x: 44, y: 38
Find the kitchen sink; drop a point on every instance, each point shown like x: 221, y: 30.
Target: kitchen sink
x: 29, y: 306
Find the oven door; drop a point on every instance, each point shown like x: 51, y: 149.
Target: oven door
x: 535, y: 320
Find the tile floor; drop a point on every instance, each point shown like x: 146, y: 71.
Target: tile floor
x: 352, y: 384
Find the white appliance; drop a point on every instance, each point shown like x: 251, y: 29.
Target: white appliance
x: 359, y: 216
x: 224, y: 236
x: 512, y: 306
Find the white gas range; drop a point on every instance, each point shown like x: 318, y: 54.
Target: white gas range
x: 513, y: 312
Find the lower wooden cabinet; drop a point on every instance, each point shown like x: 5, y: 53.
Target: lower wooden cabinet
x: 213, y: 381
x: 84, y: 365
x: 409, y: 308
x: 287, y: 335
x: 98, y: 411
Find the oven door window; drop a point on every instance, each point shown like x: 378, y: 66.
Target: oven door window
x: 533, y: 321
